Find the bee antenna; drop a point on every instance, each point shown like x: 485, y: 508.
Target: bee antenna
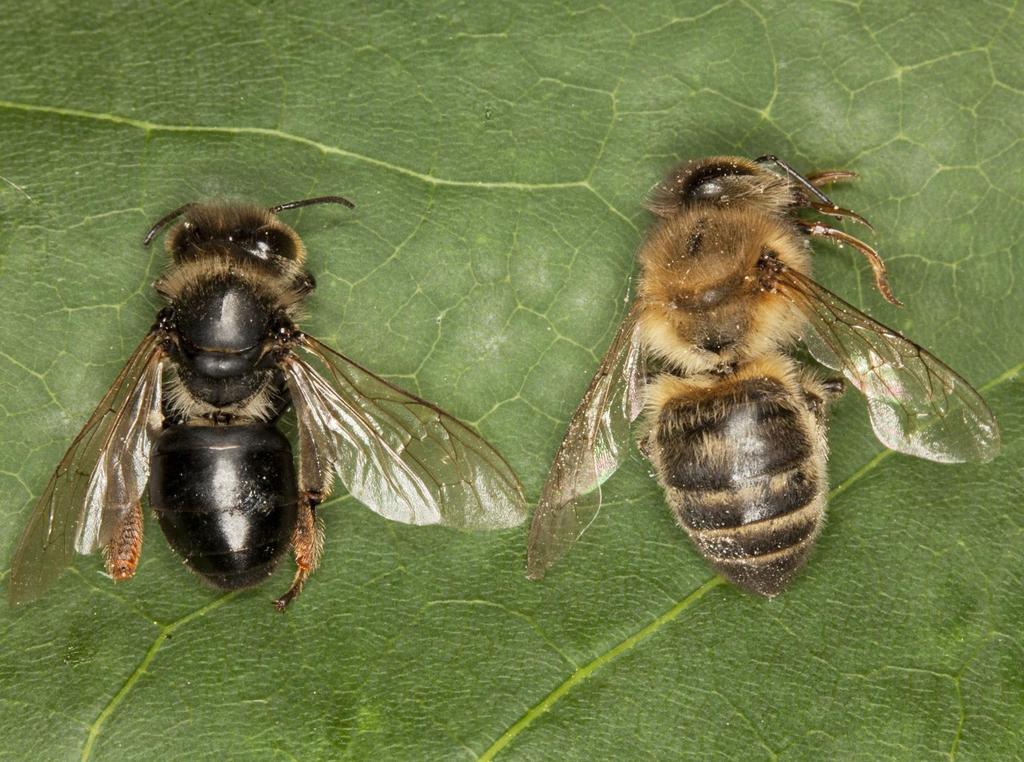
x: 165, y: 221
x: 793, y: 174
x: 310, y: 201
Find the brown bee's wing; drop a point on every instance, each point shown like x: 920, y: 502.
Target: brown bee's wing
x: 594, y: 447
x: 403, y: 457
x: 98, y: 480
x: 917, y: 404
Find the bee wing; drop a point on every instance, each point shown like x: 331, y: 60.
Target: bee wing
x: 917, y: 404
x: 405, y: 458
x: 594, y: 446
x: 98, y: 480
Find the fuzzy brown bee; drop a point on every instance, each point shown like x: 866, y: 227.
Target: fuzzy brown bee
x: 734, y: 427
x: 192, y: 415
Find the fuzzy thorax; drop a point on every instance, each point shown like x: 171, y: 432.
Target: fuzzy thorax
x: 706, y: 290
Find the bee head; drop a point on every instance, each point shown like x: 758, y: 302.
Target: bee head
x: 720, y: 181
x: 248, y: 232
x: 245, y: 232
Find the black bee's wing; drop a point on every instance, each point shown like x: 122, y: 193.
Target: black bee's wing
x: 917, y: 404
x: 403, y: 457
x: 594, y: 446
x: 98, y: 480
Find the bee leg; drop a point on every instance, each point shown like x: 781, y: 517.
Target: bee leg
x: 122, y: 552
x: 811, y: 183
x: 833, y: 388
x: 307, y: 543
x: 645, y: 439
x: 829, y: 176
x: 824, y: 204
x: 643, y: 444
x: 839, y: 213
x: 820, y: 393
x: 877, y: 265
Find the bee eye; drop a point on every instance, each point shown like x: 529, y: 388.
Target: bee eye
x: 188, y: 237
x: 708, y: 189
x: 712, y: 182
x: 271, y: 242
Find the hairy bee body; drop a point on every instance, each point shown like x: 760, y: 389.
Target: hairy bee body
x: 742, y: 464
x: 733, y: 425
x: 736, y: 434
x: 704, y: 293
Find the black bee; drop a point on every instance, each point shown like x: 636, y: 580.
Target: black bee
x: 193, y: 414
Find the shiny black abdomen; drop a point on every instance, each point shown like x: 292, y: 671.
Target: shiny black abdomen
x: 226, y: 499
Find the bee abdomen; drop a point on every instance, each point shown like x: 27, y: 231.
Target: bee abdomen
x: 761, y: 556
x: 754, y: 429
x: 226, y: 499
x: 759, y: 500
x: 743, y: 472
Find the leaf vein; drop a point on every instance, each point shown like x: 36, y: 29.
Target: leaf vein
x: 165, y: 632
x: 582, y: 673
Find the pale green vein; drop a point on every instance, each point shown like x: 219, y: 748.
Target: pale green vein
x: 1002, y: 378
x: 958, y: 682
x: 581, y: 674
x: 165, y: 632
x: 110, y: 591
x: 961, y: 719
x: 147, y: 126
x: 16, y: 187
x: 859, y: 474
x: 641, y: 635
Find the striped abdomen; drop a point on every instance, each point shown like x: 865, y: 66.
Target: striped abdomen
x: 743, y: 467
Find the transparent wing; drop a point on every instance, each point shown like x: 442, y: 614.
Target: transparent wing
x: 917, y: 404
x: 593, y: 448
x: 403, y: 457
x: 98, y: 480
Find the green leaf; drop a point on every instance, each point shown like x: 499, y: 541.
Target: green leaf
x: 499, y: 154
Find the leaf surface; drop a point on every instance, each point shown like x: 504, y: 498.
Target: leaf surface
x: 498, y: 155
